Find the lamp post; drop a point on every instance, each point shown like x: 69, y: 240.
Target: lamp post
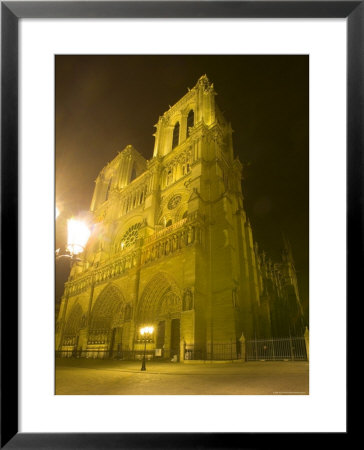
x: 78, y: 234
x: 146, y: 333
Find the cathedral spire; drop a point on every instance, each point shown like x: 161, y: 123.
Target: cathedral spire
x: 204, y: 83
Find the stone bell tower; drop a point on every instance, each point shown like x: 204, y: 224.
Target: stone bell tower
x: 193, y: 143
x: 196, y: 107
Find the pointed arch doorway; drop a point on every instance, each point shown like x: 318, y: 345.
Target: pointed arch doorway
x: 160, y: 306
x: 106, y: 323
x: 72, y: 329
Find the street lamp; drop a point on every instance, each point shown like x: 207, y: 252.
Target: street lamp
x: 146, y: 334
x: 78, y: 234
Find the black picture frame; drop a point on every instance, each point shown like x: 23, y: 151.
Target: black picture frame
x: 11, y: 12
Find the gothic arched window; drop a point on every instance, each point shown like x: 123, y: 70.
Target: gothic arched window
x: 190, y: 121
x: 175, y: 140
x: 169, y: 177
x: 108, y: 189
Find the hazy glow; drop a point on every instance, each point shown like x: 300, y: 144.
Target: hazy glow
x: 57, y: 212
x: 146, y: 330
x: 78, y: 234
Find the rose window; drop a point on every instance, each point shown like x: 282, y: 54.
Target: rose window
x: 174, y: 201
x: 130, y: 236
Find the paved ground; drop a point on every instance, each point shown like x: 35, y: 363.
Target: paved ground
x: 97, y: 377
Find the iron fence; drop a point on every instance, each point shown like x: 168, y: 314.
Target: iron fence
x: 215, y: 352
x: 277, y: 349
x: 122, y: 355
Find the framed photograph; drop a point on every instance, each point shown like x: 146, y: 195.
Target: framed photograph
x: 183, y: 285
x: 160, y: 260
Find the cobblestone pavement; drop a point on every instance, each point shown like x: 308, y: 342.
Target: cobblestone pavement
x: 98, y: 377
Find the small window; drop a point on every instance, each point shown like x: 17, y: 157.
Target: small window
x: 190, y: 121
x: 175, y: 140
x: 169, y: 177
x: 169, y: 223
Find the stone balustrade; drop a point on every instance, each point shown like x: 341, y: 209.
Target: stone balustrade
x: 165, y: 231
x: 170, y: 240
x: 162, y: 243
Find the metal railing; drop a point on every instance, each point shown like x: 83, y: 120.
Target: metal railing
x: 122, y: 355
x: 216, y: 352
x: 276, y: 349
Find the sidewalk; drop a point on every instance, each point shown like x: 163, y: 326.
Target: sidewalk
x: 98, y: 377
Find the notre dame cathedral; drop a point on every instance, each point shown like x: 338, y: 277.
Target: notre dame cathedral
x: 172, y: 247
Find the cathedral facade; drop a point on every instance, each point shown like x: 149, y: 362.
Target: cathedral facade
x: 172, y: 247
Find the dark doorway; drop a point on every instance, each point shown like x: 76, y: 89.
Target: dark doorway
x: 119, y: 340
x: 75, y: 348
x: 175, y: 332
x: 161, y: 333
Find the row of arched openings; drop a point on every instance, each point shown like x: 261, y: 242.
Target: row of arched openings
x: 160, y: 298
x: 176, y: 129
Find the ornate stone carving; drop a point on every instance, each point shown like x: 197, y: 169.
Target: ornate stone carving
x: 83, y: 321
x: 174, y: 201
x: 188, y: 300
x: 131, y: 235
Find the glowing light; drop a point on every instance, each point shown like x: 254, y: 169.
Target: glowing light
x: 78, y: 235
x: 57, y: 212
x: 146, y: 330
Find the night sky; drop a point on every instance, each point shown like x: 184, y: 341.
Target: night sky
x: 104, y: 103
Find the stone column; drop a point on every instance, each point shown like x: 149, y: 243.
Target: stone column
x: 242, y: 347
x: 82, y: 341
x: 182, y: 347
x: 88, y: 318
x: 183, y: 126
x: 307, y: 339
x: 132, y: 334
